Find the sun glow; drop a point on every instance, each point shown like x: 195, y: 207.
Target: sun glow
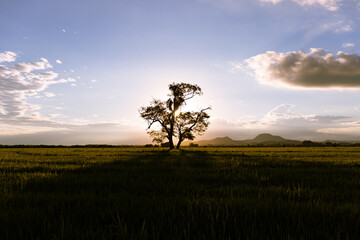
x: 177, y: 112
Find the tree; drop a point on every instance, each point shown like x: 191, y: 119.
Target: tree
x: 173, y: 122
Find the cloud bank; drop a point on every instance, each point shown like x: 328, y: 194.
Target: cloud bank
x: 21, y: 81
x: 100, y: 133
x: 283, y: 121
x: 317, y: 69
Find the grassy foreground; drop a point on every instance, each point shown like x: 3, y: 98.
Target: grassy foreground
x: 196, y: 193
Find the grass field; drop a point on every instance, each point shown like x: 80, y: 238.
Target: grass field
x: 196, y: 193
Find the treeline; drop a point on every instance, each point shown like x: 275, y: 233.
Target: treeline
x: 306, y: 143
x: 69, y: 146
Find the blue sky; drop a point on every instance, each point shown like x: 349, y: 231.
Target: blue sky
x: 76, y: 72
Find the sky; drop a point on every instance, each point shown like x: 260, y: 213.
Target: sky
x: 77, y: 72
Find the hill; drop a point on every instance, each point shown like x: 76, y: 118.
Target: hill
x: 264, y: 139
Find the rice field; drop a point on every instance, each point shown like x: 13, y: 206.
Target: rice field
x: 195, y: 193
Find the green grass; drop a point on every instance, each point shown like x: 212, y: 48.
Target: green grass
x: 196, y: 193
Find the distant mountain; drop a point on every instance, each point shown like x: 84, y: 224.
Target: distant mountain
x: 218, y: 141
x: 264, y: 139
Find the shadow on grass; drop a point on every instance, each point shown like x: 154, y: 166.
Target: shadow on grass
x: 186, y: 195
x: 135, y: 198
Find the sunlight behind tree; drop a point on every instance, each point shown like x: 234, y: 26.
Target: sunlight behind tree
x: 174, y: 122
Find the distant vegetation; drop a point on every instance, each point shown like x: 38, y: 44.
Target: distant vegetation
x: 268, y: 140
x: 197, y: 193
x: 262, y: 140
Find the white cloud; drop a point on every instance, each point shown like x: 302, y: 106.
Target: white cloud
x: 331, y: 5
x: 279, y: 116
x: 63, y: 30
x: 49, y: 94
x: 58, y: 61
x: 348, y: 128
x: 318, y: 69
x: 236, y: 67
x: 337, y: 27
x: 282, y: 120
x: 102, y: 133
x: 345, y: 28
x: 80, y: 121
x: 93, y: 81
x: 7, y: 56
x: 282, y: 113
x: 348, y: 45
x: 271, y: 1
x: 20, y: 82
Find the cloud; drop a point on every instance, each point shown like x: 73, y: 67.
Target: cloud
x: 331, y: 5
x: 20, y: 82
x: 348, y: 128
x: 236, y: 67
x: 348, y: 45
x: 58, y: 61
x: 238, y: 5
x: 101, y: 133
x: 345, y: 28
x: 337, y: 27
x: 49, y: 94
x: 282, y: 120
x: 63, y: 30
x: 7, y: 56
x: 281, y: 115
x: 271, y: 1
x: 318, y: 69
x: 329, y: 119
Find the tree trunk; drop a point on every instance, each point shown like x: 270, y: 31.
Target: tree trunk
x: 178, y: 144
x: 171, y: 143
x: 172, y: 123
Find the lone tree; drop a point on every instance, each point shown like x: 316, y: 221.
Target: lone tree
x: 173, y: 122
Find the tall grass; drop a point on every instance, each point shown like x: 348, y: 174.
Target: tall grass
x: 197, y: 193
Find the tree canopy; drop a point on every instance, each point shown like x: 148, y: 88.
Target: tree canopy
x: 174, y: 123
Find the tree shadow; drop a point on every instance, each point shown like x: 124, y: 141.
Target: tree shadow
x: 122, y: 199
x: 185, y: 194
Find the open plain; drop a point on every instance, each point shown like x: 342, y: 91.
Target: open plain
x: 194, y: 193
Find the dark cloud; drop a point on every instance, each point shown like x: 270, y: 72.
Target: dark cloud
x: 329, y: 119
x: 318, y: 69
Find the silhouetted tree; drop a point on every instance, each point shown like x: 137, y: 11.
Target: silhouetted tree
x: 173, y: 123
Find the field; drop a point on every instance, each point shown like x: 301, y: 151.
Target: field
x: 195, y: 193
